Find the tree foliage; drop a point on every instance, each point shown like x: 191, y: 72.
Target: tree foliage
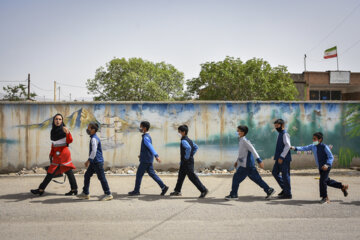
x: 17, y: 93
x: 136, y: 79
x: 233, y: 79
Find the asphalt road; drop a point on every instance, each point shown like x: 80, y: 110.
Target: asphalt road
x: 150, y: 216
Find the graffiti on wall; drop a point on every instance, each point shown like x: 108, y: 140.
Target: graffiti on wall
x: 25, y: 130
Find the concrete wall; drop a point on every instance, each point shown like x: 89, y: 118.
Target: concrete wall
x: 25, y: 130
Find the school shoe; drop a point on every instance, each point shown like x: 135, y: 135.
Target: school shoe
x: 287, y: 196
x: 269, y: 193
x: 281, y: 193
x: 72, y: 192
x: 175, y: 193
x: 83, y: 196
x: 133, y: 193
x: 344, y: 190
x: 230, y: 197
x: 106, y: 197
x: 204, y: 193
x: 164, y: 190
x: 37, y: 192
x: 324, y: 200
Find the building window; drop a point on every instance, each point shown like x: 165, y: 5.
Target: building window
x: 325, y: 95
x: 335, y: 95
x: 314, y: 95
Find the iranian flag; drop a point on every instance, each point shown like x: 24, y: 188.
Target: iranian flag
x: 330, y: 53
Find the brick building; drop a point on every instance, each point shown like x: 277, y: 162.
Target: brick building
x: 330, y: 85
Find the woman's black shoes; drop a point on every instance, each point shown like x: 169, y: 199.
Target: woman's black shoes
x: 37, y: 192
x: 72, y: 192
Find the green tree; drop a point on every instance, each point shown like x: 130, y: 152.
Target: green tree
x: 17, y: 93
x: 233, y: 79
x: 136, y: 79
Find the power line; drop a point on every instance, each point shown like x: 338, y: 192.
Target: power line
x: 13, y: 81
x: 335, y: 28
x: 69, y: 85
x: 41, y: 88
x: 356, y: 43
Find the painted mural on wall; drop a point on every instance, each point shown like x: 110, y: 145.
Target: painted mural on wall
x: 25, y: 130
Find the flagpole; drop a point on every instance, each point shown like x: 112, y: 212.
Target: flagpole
x: 337, y: 59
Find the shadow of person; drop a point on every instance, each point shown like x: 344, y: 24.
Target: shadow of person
x: 251, y: 198
x: 72, y: 199
x: 296, y: 202
x: 210, y: 200
x: 356, y: 203
x: 18, y: 197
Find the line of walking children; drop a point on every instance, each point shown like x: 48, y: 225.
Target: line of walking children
x: 245, y: 163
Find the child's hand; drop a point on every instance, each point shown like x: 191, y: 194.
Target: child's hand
x: 292, y: 148
x: 262, y: 165
x: 158, y: 159
x: 325, y: 167
x: 66, y: 130
x: 87, y: 163
x: 235, y: 164
x: 280, y: 161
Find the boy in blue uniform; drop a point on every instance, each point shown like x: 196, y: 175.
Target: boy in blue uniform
x: 245, y: 165
x: 187, y: 151
x: 147, y: 154
x: 95, y: 164
x: 282, y: 157
x: 324, y: 159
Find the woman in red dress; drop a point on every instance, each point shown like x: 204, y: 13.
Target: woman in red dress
x: 60, y: 156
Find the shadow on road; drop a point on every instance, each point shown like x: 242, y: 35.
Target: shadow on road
x: 297, y: 202
x: 356, y: 203
x: 72, y: 199
x: 251, y: 198
x: 18, y: 197
x: 153, y: 197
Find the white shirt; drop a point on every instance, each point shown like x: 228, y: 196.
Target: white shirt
x: 286, y: 140
x: 94, y: 144
x: 244, y: 147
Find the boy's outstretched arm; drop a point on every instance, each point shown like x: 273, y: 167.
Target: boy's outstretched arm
x: 150, y: 146
x: 304, y: 148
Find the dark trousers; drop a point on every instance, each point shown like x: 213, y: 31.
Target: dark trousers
x: 187, y: 169
x: 239, y: 176
x: 97, y: 168
x: 49, y: 177
x: 326, y: 181
x: 146, y: 167
x: 281, y: 172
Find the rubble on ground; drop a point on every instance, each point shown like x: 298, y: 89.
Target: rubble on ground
x: 131, y: 170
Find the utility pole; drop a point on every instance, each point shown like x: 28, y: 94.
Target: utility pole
x: 54, y: 91
x: 305, y: 62
x: 28, y: 96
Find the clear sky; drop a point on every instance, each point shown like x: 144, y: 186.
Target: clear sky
x: 66, y: 41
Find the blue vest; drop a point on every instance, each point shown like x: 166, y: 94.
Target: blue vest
x: 250, y: 162
x: 280, y: 147
x: 321, y: 154
x: 182, y: 149
x: 99, y: 156
x: 146, y: 155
